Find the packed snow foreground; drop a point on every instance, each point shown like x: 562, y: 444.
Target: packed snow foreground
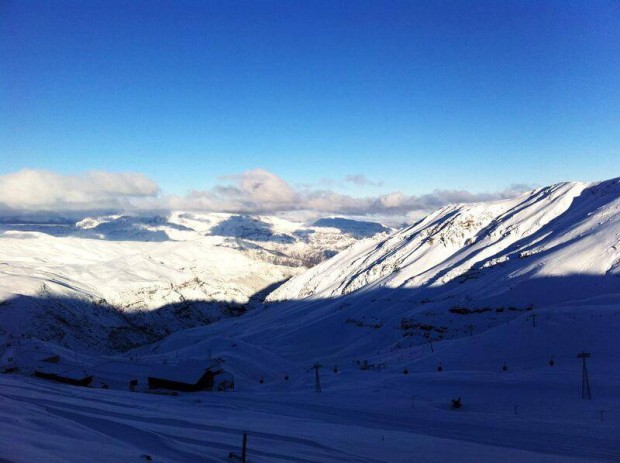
x: 513, y: 307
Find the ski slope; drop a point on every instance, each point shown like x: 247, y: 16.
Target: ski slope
x: 360, y: 415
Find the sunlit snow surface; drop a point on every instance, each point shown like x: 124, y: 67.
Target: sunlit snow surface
x: 558, y: 231
x: 502, y: 296
x: 63, y: 281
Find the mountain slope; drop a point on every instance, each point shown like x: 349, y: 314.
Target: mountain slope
x: 565, y: 229
x: 488, y: 303
x: 119, y: 281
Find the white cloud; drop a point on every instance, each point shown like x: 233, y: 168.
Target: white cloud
x: 253, y: 191
x: 40, y: 190
x: 259, y: 191
x: 361, y: 180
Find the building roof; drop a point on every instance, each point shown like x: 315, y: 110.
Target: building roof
x: 189, y: 371
x: 64, y: 371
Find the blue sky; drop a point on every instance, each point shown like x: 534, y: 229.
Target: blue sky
x: 415, y: 96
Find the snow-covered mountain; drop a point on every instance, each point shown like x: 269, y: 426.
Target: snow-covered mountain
x: 489, y: 302
x: 463, y: 269
x: 118, y: 281
x: 569, y: 230
x: 355, y: 228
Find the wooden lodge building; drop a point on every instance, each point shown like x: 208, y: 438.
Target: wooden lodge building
x: 190, y: 376
x: 62, y: 374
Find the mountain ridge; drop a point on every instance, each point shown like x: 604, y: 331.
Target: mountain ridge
x: 458, y: 240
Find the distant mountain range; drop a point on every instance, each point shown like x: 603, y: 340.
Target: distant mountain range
x: 114, y: 282
x: 475, y: 289
x: 118, y: 282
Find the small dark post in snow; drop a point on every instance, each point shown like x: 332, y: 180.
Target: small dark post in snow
x: 244, y: 444
x: 533, y: 317
x: 317, y: 381
x: 431, y: 344
x: 585, y: 382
